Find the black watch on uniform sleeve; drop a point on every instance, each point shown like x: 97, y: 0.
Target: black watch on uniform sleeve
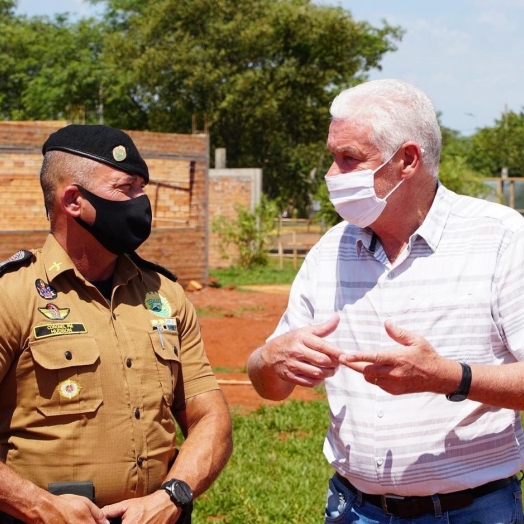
x: 179, y: 492
x: 463, y: 390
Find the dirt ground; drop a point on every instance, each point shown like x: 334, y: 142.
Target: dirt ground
x: 234, y: 322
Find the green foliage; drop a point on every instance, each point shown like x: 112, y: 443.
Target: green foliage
x: 502, y: 145
x: 277, y: 472
x: 262, y: 72
x: 250, y: 233
x: 269, y: 274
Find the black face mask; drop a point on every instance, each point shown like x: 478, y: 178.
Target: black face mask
x: 121, y: 226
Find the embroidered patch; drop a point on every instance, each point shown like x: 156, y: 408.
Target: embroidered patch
x: 53, y: 312
x: 157, y: 304
x: 19, y: 255
x: 69, y: 388
x: 166, y: 323
x: 45, y: 290
x: 54, y: 330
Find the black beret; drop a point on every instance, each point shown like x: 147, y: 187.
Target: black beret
x: 101, y: 143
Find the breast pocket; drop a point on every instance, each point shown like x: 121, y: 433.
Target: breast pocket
x: 67, y: 375
x: 166, y: 346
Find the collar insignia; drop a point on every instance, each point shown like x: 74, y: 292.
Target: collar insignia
x: 55, y: 265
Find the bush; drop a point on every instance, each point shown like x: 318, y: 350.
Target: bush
x: 250, y: 233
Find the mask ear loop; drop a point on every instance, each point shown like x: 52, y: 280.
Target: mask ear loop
x: 380, y: 167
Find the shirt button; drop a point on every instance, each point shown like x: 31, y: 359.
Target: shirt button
x: 68, y: 355
x: 391, y: 275
x: 129, y: 363
x: 380, y: 461
x: 139, y: 461
x: 137, y: 413
x: 380, y: 413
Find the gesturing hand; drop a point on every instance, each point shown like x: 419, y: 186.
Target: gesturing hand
x: 303, y: 357
x: 415, y: 367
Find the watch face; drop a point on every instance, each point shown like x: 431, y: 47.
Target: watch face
x: 182, y: 492
x: 457, y: 397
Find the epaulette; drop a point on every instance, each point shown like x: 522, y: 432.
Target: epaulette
x: 139, y: 261
x: 15, y: 261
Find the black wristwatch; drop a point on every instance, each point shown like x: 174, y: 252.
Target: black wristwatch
x: 463, y: 390
x: 179, y: 492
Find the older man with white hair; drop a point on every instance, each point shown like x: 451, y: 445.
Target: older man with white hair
x: 412, y: 312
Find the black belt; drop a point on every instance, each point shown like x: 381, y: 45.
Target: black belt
x: 411, y: 507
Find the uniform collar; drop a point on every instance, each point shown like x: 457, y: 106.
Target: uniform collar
x: 57, y: 261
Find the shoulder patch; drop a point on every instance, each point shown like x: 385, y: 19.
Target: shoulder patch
x: 15, y: 261
x: 140, y: 262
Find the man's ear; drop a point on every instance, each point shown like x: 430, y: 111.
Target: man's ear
x: 412, y: 159
x: 71, y: 200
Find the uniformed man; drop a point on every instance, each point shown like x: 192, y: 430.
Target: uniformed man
x: 100, y: 353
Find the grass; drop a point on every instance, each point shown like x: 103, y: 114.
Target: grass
x: 277, y: 473
x: 270, y: 274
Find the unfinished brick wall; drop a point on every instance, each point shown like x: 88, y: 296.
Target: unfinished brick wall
x: 178, y: 166
x: 227, y: 189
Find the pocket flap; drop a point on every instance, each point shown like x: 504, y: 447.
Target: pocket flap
x: 65, y: 351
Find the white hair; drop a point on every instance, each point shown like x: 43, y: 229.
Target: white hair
x: 396, y: 112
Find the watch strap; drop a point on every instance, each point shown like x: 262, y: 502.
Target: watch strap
x: 465, y: 383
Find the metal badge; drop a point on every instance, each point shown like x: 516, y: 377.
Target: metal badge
x: 119, y: 153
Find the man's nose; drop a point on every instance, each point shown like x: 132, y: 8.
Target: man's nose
x: 333, y: 170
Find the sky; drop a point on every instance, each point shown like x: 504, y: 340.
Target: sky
x: 467, y: 55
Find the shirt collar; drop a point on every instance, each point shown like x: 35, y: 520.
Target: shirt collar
x: 57, y: 261
x: 430, y: 230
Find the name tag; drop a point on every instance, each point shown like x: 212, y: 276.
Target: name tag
x: 53, y: 330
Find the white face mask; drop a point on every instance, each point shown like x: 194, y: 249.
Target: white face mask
x: 353, y: 195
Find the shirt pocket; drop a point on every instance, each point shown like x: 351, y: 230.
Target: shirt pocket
x: 67, y: 375
x: 166, y: 346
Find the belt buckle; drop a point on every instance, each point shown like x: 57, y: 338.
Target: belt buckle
x: 384, y: 499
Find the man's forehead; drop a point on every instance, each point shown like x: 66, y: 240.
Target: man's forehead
x: 112, y: 175
x: 348, y: 137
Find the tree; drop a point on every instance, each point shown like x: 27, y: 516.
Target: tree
x: 500, y: 146
x: 263, y: 73
x: 49, y: 67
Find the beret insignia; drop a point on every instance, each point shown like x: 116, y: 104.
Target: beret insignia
x: 119, y: 153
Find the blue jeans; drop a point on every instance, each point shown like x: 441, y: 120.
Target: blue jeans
x: 500, y: 507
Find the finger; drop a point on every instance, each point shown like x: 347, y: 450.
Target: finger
x: 326, y: 328
x: 402, y: 336
x: 318, y: 343
x: 113, y: 510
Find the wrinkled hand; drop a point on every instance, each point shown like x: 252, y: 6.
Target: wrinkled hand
x: 77, y: 509
x: 303, y: 357
x: 414, y: 368
x: 156, y: 508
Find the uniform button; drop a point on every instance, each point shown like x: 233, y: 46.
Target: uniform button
x: 68, y: 355
x: 380, y: 413
x: 391, y: 275
x: 139, y: 461
x: 137, y: 413
x: 129, y: 363
x: 380, y: 461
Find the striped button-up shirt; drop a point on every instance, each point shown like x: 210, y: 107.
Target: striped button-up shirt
x: 460, y: 284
